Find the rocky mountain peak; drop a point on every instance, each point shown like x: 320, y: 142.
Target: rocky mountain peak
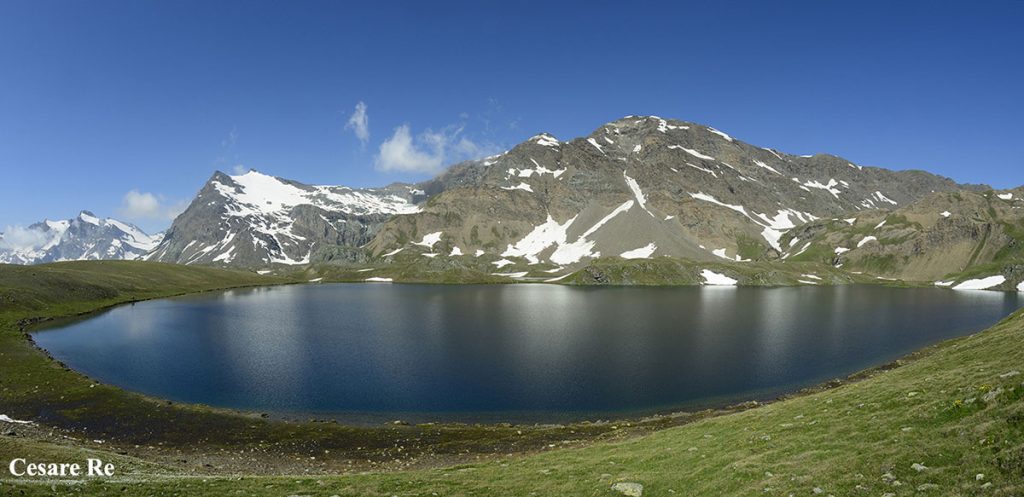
x: 256, y: 219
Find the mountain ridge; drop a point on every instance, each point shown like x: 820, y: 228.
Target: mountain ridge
x: 642, y: 187
x: 636, y: 189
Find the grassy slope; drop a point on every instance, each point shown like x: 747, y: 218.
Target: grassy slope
x: 69, y: 287
x: 954, y: 409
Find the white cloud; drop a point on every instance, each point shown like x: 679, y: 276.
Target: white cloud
x: 239, y: 169
x: 19, y: 238
x: 398, y: 153
x: 359, y: 123
x: 138, y: 205
x: 428, y: 152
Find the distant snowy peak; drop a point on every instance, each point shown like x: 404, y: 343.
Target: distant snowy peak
x: 255, y: 219
x: 84, y: 237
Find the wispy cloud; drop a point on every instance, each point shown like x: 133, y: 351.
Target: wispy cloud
x: 145, y: 206
x: 227, y: 153
x: 229, y: 141
x: 429, y: 151
x: 359, y: 123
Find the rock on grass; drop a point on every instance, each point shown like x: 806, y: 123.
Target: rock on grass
x: 629, y: 489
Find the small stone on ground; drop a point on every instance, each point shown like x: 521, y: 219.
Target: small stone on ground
x: 629, y: 489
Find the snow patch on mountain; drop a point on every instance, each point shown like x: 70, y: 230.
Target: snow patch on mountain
x: 545, y: 140
x: 521, y: 186
x: 511, y: 275
x: 665, y: 127
x: 981, y: 283
x: 429, y: 239
x: 548, y: 234
x: 537, y: 169
x: 865, y: 240
x: 882, y: 198
x: 762, y: 165
x: 691, y: 152
x: 829, y: 187
x: 572, y: 252
x: 637, y: 193
x: 7, y: 419
x: 708, y: 198
x: 719, y: 133
x: 716, y: 279
x: 644, y: 252
x: 773, y: 228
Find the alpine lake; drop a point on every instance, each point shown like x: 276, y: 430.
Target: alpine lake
x: 518, y: 353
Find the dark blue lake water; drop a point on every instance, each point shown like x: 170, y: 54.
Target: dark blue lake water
x: 506, y: 352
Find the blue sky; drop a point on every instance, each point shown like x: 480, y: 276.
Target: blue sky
x: 101, y: 98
